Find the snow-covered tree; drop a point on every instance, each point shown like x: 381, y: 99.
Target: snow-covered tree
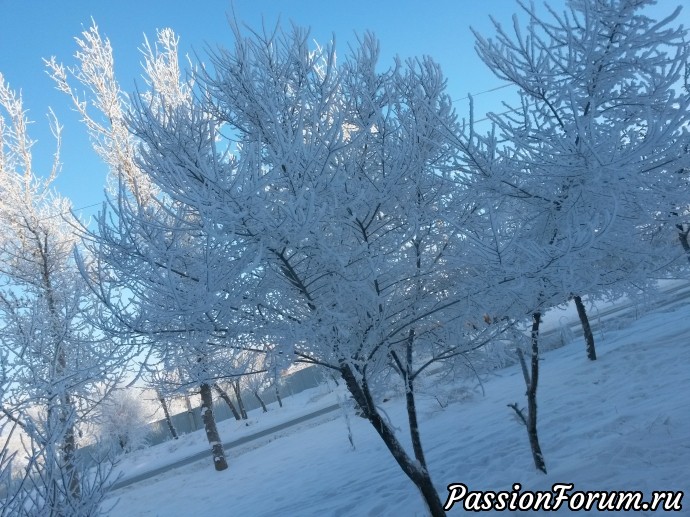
x: 574, y: 180
x: 106, y: 126
x: 166, y: 413
x: 156, y: 269
x: 334, y: 176
x: 592, y: 154
x: 54, y: 361
x: 122, y: 420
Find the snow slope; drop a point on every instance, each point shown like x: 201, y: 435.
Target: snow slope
x: 620, y: 423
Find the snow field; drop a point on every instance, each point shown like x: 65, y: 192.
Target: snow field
x: 620, y: 423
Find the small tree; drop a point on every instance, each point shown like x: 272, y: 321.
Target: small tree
x: 166, y: 413
x: 256, y: 382
x: 123, y: 421
x: 228, y: 401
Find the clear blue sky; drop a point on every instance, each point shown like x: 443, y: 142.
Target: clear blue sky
x: 31, y: 30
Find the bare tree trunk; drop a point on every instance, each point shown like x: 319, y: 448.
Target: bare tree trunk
x: 411, y: 404
x: 417, y: 474
x: 263, y: 406
x: 586, y: 328
x: 683, y: 236
x: 238, y: 396
x: 532, y: 380
x: 226, y: 398
x: 166, y: 412
x: 69, y: 449
x: 280, y: 400
x: 219, y: 461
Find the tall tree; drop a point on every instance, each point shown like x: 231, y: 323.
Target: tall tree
x: 335, y: 177
x: 55, y: 362
x: 155, y: 269
x: 597, y: 141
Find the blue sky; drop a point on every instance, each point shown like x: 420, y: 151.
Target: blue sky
x: 36, y: 29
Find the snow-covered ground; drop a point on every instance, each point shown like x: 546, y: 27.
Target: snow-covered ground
x: 620, y: 423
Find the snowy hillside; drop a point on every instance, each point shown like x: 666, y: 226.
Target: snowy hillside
x: 620, y: 423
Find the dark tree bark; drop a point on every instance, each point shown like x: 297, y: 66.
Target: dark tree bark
x: 226, y: 398
x: 532, y: 380
x: 683, y: 237
x: 280, y: 400
x: 238, y: 396
x: 166, y: 412
x: 406, y: 372
x: 218, y: 454
x: 263, y: 406
x: 586, y: 328
x: 417, y: 474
